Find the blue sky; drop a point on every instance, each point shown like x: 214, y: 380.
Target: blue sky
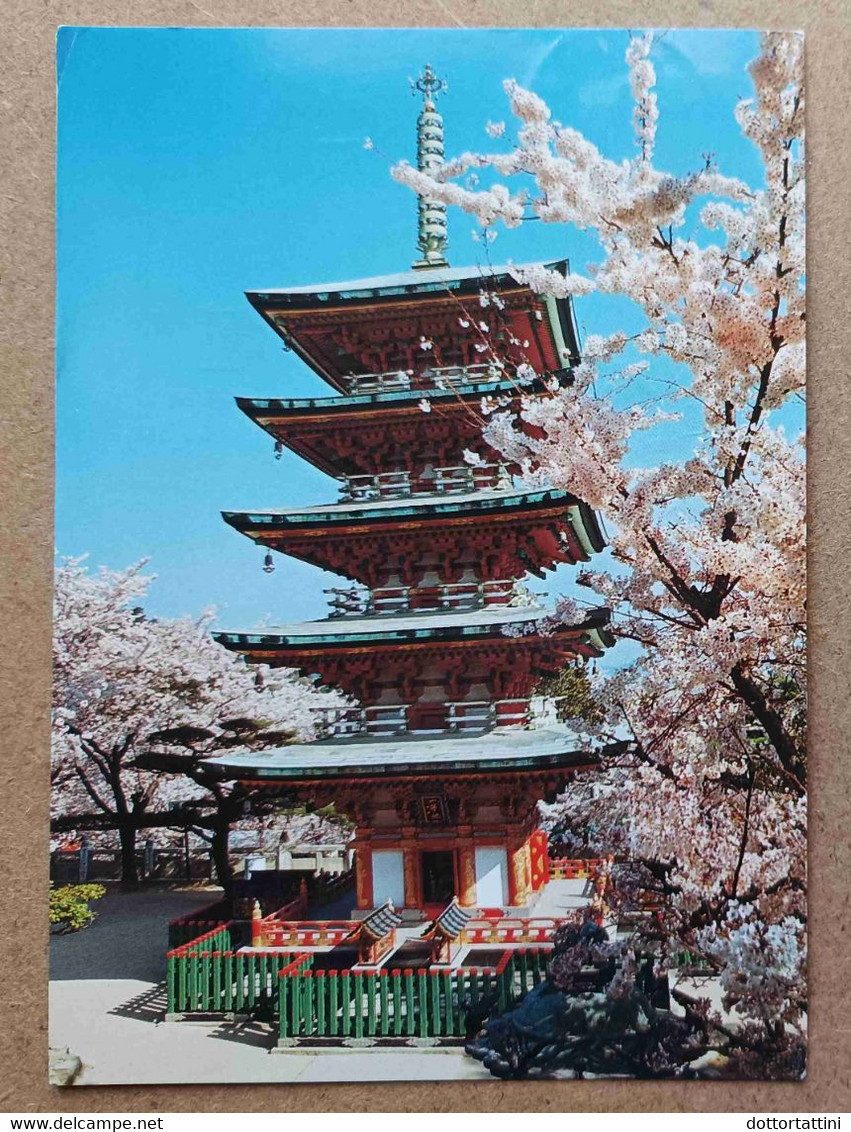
x: 195, y: 164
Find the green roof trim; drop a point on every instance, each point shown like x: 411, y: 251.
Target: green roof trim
x: 436, y: 507
x: 258, y: 406
x: 593, y: 629
x: 462, y: 766
x: 582, y: 519
x: 349, y: 767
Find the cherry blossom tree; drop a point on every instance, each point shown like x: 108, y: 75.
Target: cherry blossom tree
x: 706, y: 812
x: 126, y: 685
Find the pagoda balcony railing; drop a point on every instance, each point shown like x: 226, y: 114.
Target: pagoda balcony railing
x: 460, y: 717
x: 358, y: 601
x: 441, y: 481
x: 435, y: 377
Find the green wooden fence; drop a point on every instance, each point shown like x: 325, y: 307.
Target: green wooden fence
x: 394, y: 1003
x: 206, y: 976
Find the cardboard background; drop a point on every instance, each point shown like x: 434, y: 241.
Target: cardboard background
x: 26, y: 503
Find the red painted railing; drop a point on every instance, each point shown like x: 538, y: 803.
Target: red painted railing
x: 303, y: 933
x: 291, y: 911
x: 566, y: 868
x: 505, y: 929
x: 296, y: 966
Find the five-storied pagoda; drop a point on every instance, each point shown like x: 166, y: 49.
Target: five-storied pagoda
x: 441, y: 764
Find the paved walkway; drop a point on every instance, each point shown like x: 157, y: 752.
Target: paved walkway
x: 112, y: 1026
x: 129, y: 938
x: 561, y: 897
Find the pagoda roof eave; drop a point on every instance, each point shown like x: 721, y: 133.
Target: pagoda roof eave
x: 422, y: 507
x: 423, y: 628
x: 270, y: 527
x: 511, y: 751
x: 405, y: 283
x: 317, y: 428
x: 422, y: 286
x: 259, y: 408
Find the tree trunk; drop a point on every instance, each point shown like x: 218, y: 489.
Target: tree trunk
x: 219, y: 851
x: 127, y: 837
x: 790, y: 757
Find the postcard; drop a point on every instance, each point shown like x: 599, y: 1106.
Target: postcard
x: 430, y: 632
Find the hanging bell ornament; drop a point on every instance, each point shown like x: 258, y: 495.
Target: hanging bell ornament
x: 279, y: 449
x: 268, y: 564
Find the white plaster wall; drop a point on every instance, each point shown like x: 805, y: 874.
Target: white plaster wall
x: 491, y: 876
x: 388, y: 877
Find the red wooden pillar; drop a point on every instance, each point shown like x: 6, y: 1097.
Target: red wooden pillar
x: 518, y: 892
x: 412, y: 872
x: 539, y: 861
x: 467, y: 874
x: 363, y: 875
x: 256, y: 925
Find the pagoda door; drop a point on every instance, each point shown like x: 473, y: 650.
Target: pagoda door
x: 438, y: 877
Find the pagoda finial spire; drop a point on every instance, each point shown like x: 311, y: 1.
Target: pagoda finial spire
x: 431, y: 227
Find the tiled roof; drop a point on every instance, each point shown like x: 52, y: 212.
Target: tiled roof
x: 450, y: 923
x: 386, y: 623
x: 420, y: 280
x: 271, y: 406
x: 439, y: 502
x: 504, y: 748
x: 379, y: 923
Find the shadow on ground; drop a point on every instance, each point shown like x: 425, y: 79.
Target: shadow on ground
x: 260, y: 1035
x: 149, y: 1006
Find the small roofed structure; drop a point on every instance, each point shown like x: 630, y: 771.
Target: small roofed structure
x: 375, y: 935
x: 445, y: 932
